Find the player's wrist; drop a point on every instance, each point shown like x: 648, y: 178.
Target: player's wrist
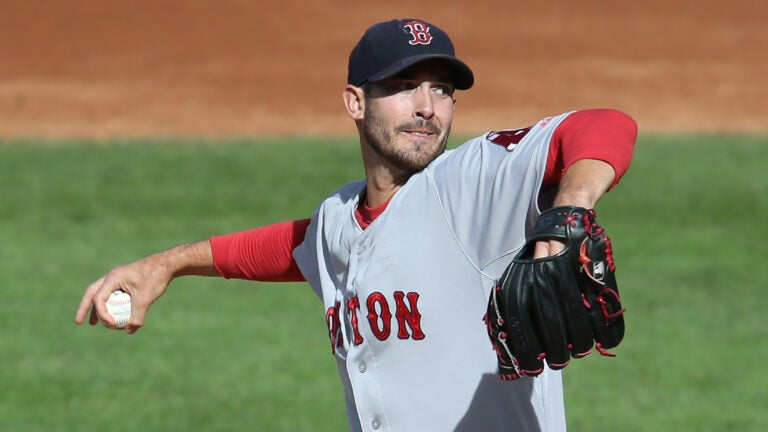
x: 185, y: 260
x: 576, y: 199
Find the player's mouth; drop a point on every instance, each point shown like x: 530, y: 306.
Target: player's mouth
x: 422, y: 130
x: 420, y: 133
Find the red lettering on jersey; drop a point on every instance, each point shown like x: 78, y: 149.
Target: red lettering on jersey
x: 353, y: 306
x: 384, y: 316
x: 508, y: 138
x: 334, y: 327
x: 411, y: 315
x: 420, y: 33
x: 379, y: 317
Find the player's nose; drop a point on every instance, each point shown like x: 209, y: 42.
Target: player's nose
x: 423, y: 105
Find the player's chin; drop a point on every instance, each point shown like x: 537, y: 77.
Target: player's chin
x: 418, y: 160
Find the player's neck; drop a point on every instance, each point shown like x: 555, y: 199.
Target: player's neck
x: 380, y: 189
x: 383, y: 179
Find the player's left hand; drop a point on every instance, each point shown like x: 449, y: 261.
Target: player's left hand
x: 558, y: 298
x: 548, y: 248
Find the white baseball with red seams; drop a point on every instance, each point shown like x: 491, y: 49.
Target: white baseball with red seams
x: 119, y: 307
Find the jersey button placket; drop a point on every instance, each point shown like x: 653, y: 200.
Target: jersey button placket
x: 358, y: 263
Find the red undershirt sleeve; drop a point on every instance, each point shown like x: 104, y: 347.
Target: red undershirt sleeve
x: 261, y: 254
x: 603, y: 134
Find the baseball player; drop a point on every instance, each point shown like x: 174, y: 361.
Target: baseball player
x: 405, y: 259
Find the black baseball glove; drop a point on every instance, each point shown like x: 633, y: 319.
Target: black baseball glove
x: 554, y: 308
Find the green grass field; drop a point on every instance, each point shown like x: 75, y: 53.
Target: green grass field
x: 686, y: 222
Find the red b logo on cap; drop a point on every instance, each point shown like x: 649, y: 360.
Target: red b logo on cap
x: 420, y: 33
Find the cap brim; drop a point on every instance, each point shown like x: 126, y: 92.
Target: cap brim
x: 463, y: 78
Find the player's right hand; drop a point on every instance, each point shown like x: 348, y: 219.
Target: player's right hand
x: 144, y: 280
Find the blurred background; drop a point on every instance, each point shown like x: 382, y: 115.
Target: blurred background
x: 91, y: 68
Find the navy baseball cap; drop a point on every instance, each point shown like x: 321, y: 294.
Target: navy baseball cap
x: 389, y: 47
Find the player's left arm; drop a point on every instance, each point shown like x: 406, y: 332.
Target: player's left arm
x: 584, y: 183
x: 589, y: 152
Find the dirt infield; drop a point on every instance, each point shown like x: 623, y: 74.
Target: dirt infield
x: 90, y: 68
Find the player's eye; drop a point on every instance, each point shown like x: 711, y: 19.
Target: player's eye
x: 444, y: 90
x: 395, y: 86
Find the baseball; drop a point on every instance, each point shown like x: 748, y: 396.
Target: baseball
x: 119, y: 307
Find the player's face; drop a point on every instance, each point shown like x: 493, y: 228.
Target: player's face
x: 408, y: 118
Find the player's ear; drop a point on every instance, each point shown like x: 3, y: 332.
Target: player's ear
x: 354, y: 102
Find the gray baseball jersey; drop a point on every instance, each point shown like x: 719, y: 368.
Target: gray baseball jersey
x: 405, y: 297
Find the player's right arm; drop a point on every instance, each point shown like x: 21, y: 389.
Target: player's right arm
x: 263, y: 254
x: 145, y: 280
